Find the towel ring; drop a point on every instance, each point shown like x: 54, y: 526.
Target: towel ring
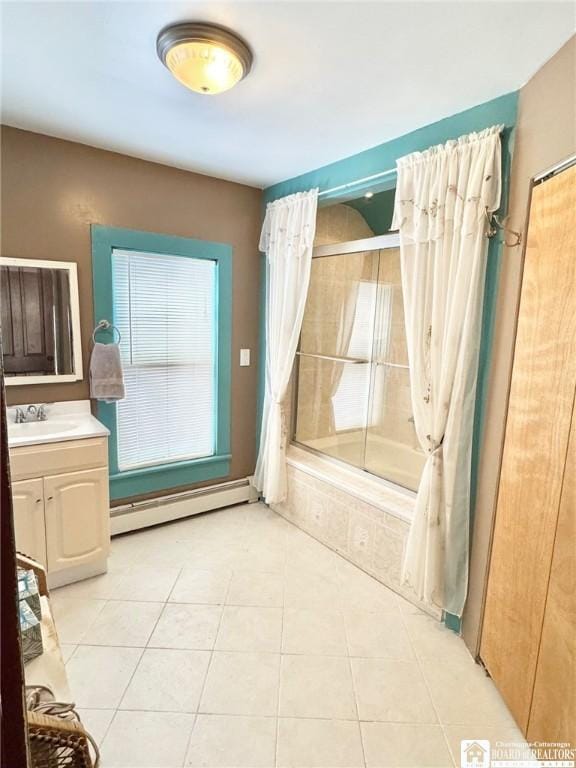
x: 105, y: 325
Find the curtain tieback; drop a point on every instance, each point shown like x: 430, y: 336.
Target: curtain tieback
x: 434, y: 446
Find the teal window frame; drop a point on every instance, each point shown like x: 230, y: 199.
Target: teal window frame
x: 137, y: 482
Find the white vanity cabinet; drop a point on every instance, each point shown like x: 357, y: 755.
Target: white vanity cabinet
x: 28, y: 506
x: 61, y: 506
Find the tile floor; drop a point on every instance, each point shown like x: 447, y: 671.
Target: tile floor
x: 235, y: 640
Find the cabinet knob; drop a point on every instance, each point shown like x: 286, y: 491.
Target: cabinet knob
x: 49, y: 498
x: 38, y: 501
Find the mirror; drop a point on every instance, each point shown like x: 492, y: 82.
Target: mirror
x: 40, y: 321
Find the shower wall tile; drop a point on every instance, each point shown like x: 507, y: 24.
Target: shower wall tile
x: 388, y: 551
x: 361, y: 538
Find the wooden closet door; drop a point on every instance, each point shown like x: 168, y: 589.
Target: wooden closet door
x: 553, y: 712
x: 535, y: 447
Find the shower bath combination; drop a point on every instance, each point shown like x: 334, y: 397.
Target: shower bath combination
x: 352, y: 385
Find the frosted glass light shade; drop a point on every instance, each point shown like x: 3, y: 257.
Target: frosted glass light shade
x: 205, y: 58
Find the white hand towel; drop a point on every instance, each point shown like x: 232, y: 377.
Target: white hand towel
x: 106, y: 378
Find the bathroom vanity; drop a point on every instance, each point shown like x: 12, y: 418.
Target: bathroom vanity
x: 59, y: 470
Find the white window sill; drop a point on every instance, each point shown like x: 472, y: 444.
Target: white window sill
x: 368, y: 488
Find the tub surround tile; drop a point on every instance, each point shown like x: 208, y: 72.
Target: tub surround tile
x: 336, y: 513
x: 388, y: 555
x: 342, y: 482
x: 361, y: 536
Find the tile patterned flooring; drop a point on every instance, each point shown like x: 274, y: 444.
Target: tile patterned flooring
x: 235, y: 640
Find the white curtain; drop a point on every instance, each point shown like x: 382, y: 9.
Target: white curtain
x: 287, y: 239
x: 442, y: 199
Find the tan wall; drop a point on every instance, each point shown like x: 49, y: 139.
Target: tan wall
x: 545, y: 134
x: 52, y: 191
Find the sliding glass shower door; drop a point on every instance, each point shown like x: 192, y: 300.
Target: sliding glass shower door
x: 353, y: 388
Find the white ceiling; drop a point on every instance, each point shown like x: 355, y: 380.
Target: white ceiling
x: 329, y: 79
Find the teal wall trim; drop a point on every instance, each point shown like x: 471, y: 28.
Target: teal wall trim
x: 376, y: 211
x: 146, y: 480
x: 140, y: 481
x: 384, y: 156
x: 502, y: 110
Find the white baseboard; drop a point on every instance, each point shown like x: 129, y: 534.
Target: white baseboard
x: 131, y: 517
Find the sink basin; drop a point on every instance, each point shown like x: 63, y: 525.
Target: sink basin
x: 54, y: 427
x: 67, y: 420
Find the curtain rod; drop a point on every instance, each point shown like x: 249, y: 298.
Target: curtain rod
x: 374, y: 176
x: 355, y: 183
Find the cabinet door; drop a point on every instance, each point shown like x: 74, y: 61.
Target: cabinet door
x: 28, y: 505
x: 77, y: 518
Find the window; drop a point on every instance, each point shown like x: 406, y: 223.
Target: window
x: 170, y: 299
x: 164, y: 308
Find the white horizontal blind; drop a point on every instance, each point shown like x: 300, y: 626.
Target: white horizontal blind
x: 164, y: 307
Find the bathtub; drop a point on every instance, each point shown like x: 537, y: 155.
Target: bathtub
x: 396, y: 462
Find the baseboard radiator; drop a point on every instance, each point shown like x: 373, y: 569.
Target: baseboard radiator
x: 141, y: 514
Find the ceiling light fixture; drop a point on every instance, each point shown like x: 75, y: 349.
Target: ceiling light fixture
x: 368, y: 195
x: 204, y: 57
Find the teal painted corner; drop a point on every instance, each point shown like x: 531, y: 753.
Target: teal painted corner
x: 502, y: 110
x: 173, y: 475
x: 453, y: 622
x: 383, y: 156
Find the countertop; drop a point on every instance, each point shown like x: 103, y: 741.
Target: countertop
x: 67, y: 420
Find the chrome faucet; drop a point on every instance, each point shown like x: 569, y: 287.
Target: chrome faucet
x: 32, y: 413
x: 36, y: 413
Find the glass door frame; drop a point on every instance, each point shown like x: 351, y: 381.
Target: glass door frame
x: 378, y: 243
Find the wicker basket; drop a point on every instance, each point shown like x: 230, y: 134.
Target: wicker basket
x: 57, y: 743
